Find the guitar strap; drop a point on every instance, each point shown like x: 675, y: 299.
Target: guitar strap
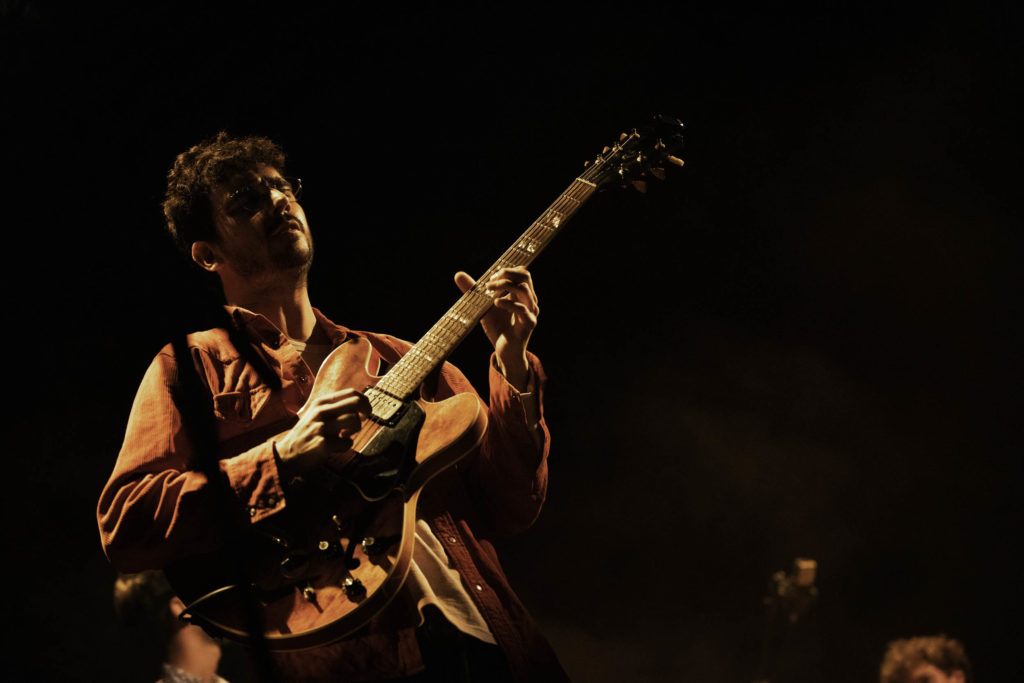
x: 195, y: 404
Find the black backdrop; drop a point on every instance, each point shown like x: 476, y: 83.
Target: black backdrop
x: 798, y: 345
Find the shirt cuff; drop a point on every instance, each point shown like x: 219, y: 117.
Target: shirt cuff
x: 523, y: 407
x: 256, y: 481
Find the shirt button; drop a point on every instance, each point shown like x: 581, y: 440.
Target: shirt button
x: 452, y: 539
x: 302, y: 379
x: 479, y: 587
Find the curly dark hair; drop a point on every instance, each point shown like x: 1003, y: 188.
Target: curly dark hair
x: 903, y: 656
x: 194, y: 174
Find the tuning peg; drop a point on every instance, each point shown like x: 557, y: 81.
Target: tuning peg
x: 623, y: 136
x: 606, y: 149
x: 674, y: 160
x: 640, y: 185
x: 586, y: 163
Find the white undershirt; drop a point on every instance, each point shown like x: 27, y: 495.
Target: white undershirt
x: 433, y: 580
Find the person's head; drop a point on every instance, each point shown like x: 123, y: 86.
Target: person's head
x: 231, y: 211
x: 925, y: 659
x: 148, y: 610
x: 143, y: 601
x: 142, y: 604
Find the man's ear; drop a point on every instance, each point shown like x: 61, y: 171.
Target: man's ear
x: 205, y: 256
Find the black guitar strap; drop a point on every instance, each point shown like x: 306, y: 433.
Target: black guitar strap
x: 195, y: 404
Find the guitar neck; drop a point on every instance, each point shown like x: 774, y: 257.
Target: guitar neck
x: 405, y: 377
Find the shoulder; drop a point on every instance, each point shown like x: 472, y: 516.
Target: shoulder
x: 215, y: 343
x: 198, y: 347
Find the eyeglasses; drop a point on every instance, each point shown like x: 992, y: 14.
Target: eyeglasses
x: 249, y: 198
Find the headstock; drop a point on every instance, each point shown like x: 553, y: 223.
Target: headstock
x: 638, y: 155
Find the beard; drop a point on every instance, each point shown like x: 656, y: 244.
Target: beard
x: 280, y: 256
x: 292, y: 254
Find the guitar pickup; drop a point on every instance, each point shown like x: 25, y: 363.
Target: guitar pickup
x: 387, y: 409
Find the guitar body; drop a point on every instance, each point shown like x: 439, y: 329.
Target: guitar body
x: 341, y: 549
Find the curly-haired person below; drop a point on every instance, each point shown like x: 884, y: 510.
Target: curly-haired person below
x: 174, y: 651
x: 925, y: 659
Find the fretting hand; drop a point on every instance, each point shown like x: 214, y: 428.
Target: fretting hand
x: 510, y: 321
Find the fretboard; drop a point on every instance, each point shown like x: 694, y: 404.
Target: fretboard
x: 405, y: 377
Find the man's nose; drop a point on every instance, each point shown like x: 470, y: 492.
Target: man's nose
x: 277, y: 197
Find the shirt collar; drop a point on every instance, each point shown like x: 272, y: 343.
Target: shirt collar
x: 258, y: 327
x: 336, y: 333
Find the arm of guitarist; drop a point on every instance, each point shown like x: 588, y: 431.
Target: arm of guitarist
x: 509, y: 476
x: 159, y: 505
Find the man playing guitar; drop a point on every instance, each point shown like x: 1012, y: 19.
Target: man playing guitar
x: 281, y: 430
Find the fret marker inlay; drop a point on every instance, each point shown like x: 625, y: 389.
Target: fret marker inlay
x: 459, y: 319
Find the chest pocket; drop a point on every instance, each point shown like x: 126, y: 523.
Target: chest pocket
x: 240, y: 406
x: 243, y: 416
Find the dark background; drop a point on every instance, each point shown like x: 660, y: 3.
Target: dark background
x: 800, y: 344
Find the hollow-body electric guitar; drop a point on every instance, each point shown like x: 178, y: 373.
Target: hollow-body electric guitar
x: 321, y: 568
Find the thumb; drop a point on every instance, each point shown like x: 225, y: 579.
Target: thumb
x: 464, y: 281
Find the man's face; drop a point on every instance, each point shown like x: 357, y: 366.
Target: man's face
x: 260, y: 226
x: 928, y: 673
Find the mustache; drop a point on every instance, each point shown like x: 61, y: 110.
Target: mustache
x: 280, y: 219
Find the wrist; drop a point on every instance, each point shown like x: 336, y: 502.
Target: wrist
x: 515, y: 368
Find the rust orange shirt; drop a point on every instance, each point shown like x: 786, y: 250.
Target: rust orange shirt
x: 158, y: 504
